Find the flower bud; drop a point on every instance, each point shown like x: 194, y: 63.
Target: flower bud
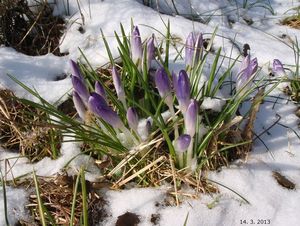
x: 136, y: 45
x: 132, y: 118
x: 182, y: 90
x: 75, y: 70
x: 150, y: 52
x: 118, y: 84
x: 190, y: 118
x: 99, y: 89
x: 99, y: 107
x: 278, y: 68
x: 182, y: 143
x: 80, y: 88
x: 193, y: 45
x: 79, y: 105
x: 163, y: 86
x: 247, y: 70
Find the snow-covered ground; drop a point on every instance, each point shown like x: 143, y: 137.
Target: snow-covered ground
x: 270, y: 203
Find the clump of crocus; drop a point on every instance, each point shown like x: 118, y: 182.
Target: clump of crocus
x: 193, y: 49
x: 95, y: 102
x: 246, y: 74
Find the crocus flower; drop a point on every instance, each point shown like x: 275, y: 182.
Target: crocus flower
x: 278, y: 68
x: 182, y: 143
x: 190, y: 118
x: 246, y: 72
x: 99, y: 89
x: 162, y: 83
x: 75, y: 70
x: 136, y: 45
x: 80, y: 88
x: 182, y: 90
x: 118, y: 84
x: 193, y: 47
x: 79, y: 105
x: 99, y: 107
x: 150, y: 52
x: 132, y: 118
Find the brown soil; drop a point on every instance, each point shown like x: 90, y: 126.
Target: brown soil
x: 32, y: 33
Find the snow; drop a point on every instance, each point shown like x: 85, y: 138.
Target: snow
x: 16, y: 201
x: 251, y: 179
x: 71, y: 159
x: 40, y: 73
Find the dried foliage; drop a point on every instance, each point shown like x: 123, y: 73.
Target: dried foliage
x: 231, y: 134
x: 31, y: 32
x: 292, y: 21
x: 57, y: 196
x: 23, y: 128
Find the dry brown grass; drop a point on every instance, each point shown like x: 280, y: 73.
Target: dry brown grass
x: 292, y: 21
x: 23, y: 128
x: 32, y: 33
x: 57, y: 195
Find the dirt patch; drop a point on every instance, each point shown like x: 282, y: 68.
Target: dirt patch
x: 128, y: 219
x: 155, y: 219
x: 283, y: 181
x: 31, y: 32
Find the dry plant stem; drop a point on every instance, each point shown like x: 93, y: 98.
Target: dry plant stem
x: 174, y: 179
x: 139, y: 172
x: 174, y: 119
x: 131, y: 155
x: 134, y: 166
x: 180, y: 160
x: 190, y: 156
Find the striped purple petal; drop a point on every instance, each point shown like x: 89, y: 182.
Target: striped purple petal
x: 99, y: 107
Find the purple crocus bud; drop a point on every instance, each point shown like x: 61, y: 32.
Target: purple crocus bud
x: 136, y: 45
x: 99, y: 89
x: 190, y: 118
x: 162, y: 83
x: 182, y: 143
x: 193, y: 47
x: 80, y: 88
x: 246, y: 72
x: 278, y: 68
x: 75, y: 70
x: 253, y: 66
x: 150, y: 51
x: 182, y: 89
x: 118, y: 84
x: 79, y: 105
x: 132, y: 118
x: 99, y: 107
